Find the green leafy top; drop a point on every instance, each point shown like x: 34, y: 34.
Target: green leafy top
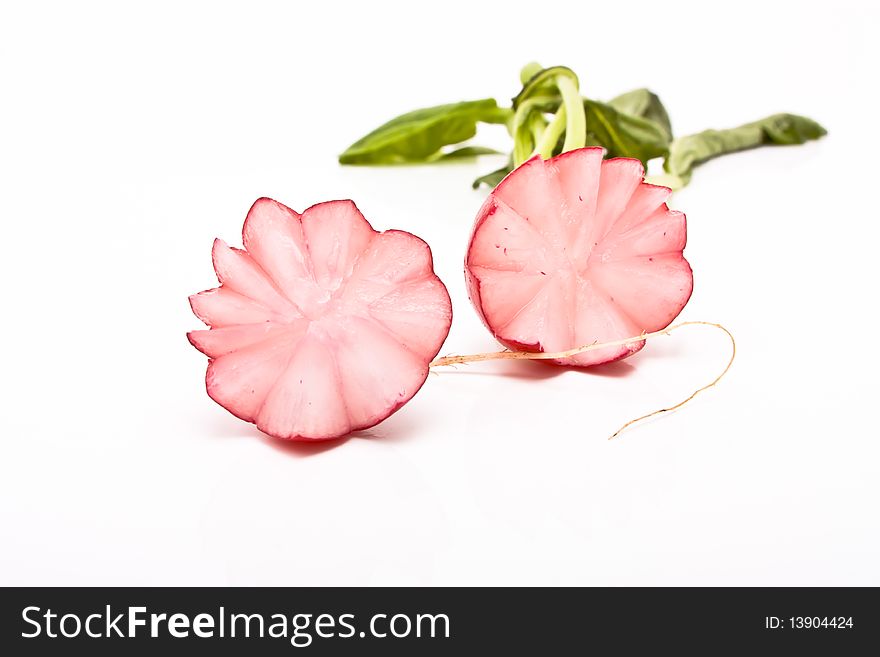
x: 644, y: 104
x: 688, y: 152
x: 623, y: 134
x: 550, y: 116
x: 419, y: 136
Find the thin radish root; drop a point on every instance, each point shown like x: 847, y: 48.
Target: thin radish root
x: 546, y: 355
x: 695, y: 392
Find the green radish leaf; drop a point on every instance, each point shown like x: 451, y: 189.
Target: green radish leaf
x: 418, y: 136
x: 623, y: 134
x: 492, y: 179
x: 789, y: 129
x: 645, y: 104
x: 465, y: 152
x: 688, y: 152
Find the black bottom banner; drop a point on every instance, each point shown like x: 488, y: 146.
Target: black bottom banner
x: 436, y: 621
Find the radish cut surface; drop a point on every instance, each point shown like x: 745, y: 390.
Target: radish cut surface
x: 321, y: 325
x: 576, y: 250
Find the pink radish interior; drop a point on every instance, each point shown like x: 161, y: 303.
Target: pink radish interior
x: 321, y: 326
x: 576, y: 250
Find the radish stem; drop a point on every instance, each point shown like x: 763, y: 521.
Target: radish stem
x: 537, y: 124
x: 551, y: 133
x: 554, y: 355
x: 576, y: 123
x: 523, y: 122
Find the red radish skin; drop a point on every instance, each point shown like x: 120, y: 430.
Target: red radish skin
x: 321, y: 326
x: 577, y: 250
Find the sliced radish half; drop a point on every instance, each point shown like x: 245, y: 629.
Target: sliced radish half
x: 321, y: 325
x: 577, y: 250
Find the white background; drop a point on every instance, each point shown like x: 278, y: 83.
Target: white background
x: 131, y: 137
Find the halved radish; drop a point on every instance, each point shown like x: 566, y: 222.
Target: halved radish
x: 577, y: 250
x: 321, y: 325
